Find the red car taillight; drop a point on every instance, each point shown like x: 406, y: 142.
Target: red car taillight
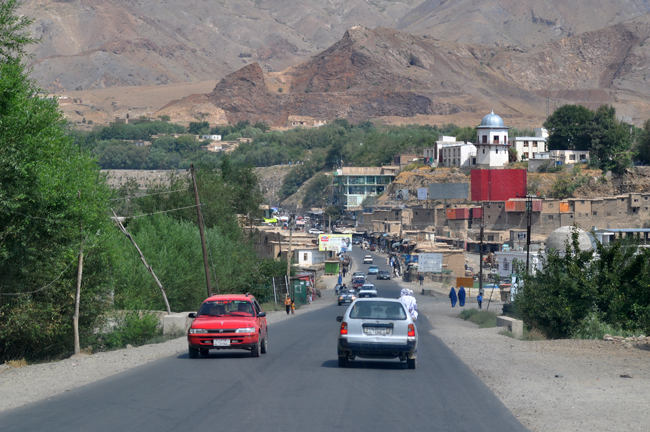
x: 411, y: 330
x: 344, y: 328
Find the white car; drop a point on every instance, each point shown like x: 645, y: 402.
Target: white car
x: 379, y: 329
x: 367, y: 290
x: 367, y: 259
x: 315, y: 231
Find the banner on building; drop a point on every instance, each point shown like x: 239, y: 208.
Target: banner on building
x: 423, y: 194
x: 498, y: 185
x: 448, y: 191
x: 430, y: 262
x: 402, y: 194
x: 335, y: 242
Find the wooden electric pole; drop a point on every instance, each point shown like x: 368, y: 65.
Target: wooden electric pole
x: 144, y: 261
x: 77, y: 299
x: 205, y: 250
x: 289, y: 224
x: 529, y: 215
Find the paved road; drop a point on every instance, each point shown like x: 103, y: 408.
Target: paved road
x: 297, y: 386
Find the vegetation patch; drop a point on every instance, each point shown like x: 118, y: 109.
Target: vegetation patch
x: 484, y: 319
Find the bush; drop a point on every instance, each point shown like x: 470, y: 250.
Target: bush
x: 467, y: 314
x: 132, y: 328
x: 484, y: 319
x: 592, y: 327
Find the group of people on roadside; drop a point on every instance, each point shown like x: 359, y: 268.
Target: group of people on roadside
x: 409, y: 302
x: 460, y: 298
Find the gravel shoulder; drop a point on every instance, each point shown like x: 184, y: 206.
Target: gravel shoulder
x: 25, y: 385
x: 551, y: 385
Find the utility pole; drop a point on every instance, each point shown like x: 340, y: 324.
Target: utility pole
x: 290, y: 225
x: 480, y: 260
x: 205, y: 251
x: 529, y: 215
x: 144, y: 261
x: 77, y: 299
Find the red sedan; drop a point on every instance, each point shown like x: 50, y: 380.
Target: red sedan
x: 231, y: 321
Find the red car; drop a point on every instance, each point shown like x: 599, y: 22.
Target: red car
x: 231, y: 321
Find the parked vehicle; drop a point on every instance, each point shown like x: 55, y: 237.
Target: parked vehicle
x: 367, y: 290
x: 367, y: 259
x: 346, y: 296
x: 383, y: 275
x: 231, y: 321
x: 373, y: 270
x: 315, y: 231
x: 377, y: 329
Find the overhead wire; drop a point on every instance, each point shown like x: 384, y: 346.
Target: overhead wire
x: 160, y: 212
x: 46, y: 286
x: 145, y: 195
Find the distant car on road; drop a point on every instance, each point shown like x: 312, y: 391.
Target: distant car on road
x: 367, y: 290
x: 346, y: 296
x: 377, y: 328
x: 373, y: 270
x: 383, y: 274
x: 355, y: 274
x: 231, y: 321
x: 315, y: 231
x: 357, y: 281
x: 367, y: 259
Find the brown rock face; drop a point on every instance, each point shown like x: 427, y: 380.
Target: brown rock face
x: 385, y: 73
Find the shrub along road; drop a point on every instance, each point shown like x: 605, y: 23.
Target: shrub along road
x: 297, y: 386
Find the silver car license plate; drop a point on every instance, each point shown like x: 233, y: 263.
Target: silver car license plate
x: 221, y: 342
x: 376, y: 331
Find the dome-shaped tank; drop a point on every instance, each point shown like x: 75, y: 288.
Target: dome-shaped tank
x: 492, y: 120
x: 558, y: 238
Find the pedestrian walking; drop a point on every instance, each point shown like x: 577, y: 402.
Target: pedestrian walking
x: 293, y: 307
x: 461, y: 296
x: 345, y: 270
x: 479, y: 299
x: 421, y: 279
x: 452, y: 296
x: 287, y: 304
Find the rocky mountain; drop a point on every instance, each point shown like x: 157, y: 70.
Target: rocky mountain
x: 381, y: 72
x: 516, y: 23
x: 93, y: 44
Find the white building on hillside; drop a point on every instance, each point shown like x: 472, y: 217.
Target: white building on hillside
x: 459, y: 155
x: 491, y: 143
x: 528, y: 147
x: 211, y: 137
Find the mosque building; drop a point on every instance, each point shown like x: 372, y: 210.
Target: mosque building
x: 491, y: 143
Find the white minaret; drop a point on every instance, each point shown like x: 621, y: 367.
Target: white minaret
x: 491, y: 142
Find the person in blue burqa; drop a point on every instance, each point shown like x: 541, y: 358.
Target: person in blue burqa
x: 461, y: 296
x: 452, y: 296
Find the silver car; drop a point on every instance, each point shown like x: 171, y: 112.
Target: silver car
x: 367, y: 290
x: 377, y: 329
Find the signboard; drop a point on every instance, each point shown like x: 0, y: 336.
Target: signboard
x: 423, y: 194
x: 335, y: 242
x: 430, y: 262
x: 448, y: 190
x: 402, y: 194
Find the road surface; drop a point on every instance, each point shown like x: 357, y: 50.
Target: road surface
x: 297, y: 386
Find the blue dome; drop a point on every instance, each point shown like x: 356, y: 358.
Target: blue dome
x: 492, y: 120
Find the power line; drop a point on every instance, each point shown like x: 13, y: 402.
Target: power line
x: 164, y: 211
x: 46, y: 286
x: 145, y: 195
x: 36, y: 217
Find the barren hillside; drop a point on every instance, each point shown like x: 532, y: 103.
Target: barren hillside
x: 373, y: 73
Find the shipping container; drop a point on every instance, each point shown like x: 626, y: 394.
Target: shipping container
x: 564, y: 207
x: 498, y: 185
x: 477, y: 212
x: 451, y: 213
x: 537, y: 205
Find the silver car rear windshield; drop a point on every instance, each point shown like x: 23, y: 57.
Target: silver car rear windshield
x: 378, y: 310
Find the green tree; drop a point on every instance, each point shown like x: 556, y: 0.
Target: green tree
x: 568, y: 128
x: 49, y: 192
x: 643, y: 144
x: 198, y: 128
x: 610, y: 140
x: 317, y: 191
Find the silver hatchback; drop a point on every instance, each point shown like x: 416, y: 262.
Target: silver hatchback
x: 377, y: 329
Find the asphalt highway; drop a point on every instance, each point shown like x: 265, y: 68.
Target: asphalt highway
x: 297, y: 386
